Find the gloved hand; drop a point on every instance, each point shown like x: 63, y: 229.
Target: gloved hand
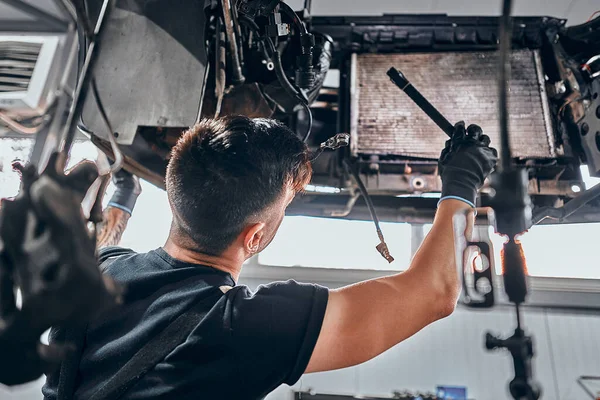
x: 465, y: 162
x: 127, y: 191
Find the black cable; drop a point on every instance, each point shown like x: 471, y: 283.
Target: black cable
x: 250, y: 22
x: 283, y: 80
x: 310, y: 122
x: 83, y: 18
x: 117, y: 154
x: 365, y: 194
x: 287, y: 85
x: 83, y: 43
x: 505, y: 47
x: 382, y: 247
x: 280, y: 73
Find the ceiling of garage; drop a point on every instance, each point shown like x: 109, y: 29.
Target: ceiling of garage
x: 575, y: 11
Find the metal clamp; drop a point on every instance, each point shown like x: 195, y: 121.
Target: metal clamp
x: 474, y: 258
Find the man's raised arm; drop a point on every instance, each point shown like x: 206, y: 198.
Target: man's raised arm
x: 367, y: 318
x: 119, y: 209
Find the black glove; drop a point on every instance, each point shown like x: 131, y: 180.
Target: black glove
x: 127, y: 192
x: 465, y: 162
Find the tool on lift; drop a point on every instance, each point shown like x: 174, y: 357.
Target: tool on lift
x: 400, y: 80
x: 512, y: 206
x: 333, y: 143
x: 474, y: 257
x: 512, y: 209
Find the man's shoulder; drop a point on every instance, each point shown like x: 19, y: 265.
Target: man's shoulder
x: 113, y: 251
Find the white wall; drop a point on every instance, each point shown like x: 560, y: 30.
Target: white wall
x: 451, y: 352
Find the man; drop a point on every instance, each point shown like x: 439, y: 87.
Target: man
x: 229, y: 182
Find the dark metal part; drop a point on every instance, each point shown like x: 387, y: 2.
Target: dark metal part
x: 43, y: 18
x: 511, y: 201
x: 254, y: 8
x: 561, y: 213
x: 220, y: 67
x: 134, y: 95
x: 236, y: 67
x: 393, y: 33
x: 520, y: 347
x: 83, y: 85
x: 400, y: 80
x: 504, y: 76
x: 589, y: 126
x: 305, y: 73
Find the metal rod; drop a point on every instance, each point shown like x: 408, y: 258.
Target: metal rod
x: 220, y: 67
x: 308, y: 6
x: 560, y: 213
x: 18, y: 127
x: 83, y: 85
x: 503, y: 82
x: 49, y: 19
x: 400, y: 80
x: 45, y: 145
x: 83, y: 19
x: 67, y: 7
x: 585, y: 388
x: 236, y: 68
x: 518, y: 310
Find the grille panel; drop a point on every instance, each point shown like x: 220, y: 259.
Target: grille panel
x: 17, y: 62
x: 463, y: 87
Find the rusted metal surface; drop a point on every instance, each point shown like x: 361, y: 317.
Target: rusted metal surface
x: 462, y: 85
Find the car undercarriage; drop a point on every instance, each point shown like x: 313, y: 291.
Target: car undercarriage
x: 554, y: 117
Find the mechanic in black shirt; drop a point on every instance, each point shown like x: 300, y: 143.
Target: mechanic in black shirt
x: 229, y: 182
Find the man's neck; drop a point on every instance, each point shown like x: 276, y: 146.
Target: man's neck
x: 223, y: 262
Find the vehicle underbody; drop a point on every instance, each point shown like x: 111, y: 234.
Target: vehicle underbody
x: 554, y: 104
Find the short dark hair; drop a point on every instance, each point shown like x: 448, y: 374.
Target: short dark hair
x: 223, y: 171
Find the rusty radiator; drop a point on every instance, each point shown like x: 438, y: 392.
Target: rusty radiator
x: 463, y: 86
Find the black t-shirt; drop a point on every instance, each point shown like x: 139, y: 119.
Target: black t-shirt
x: 246, y: 345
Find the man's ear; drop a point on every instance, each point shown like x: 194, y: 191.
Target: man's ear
x: 253, y: 237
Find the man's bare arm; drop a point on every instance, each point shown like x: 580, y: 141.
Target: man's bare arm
x: 114, y: 222
x: 119, y: 209
x: 367, y: 318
